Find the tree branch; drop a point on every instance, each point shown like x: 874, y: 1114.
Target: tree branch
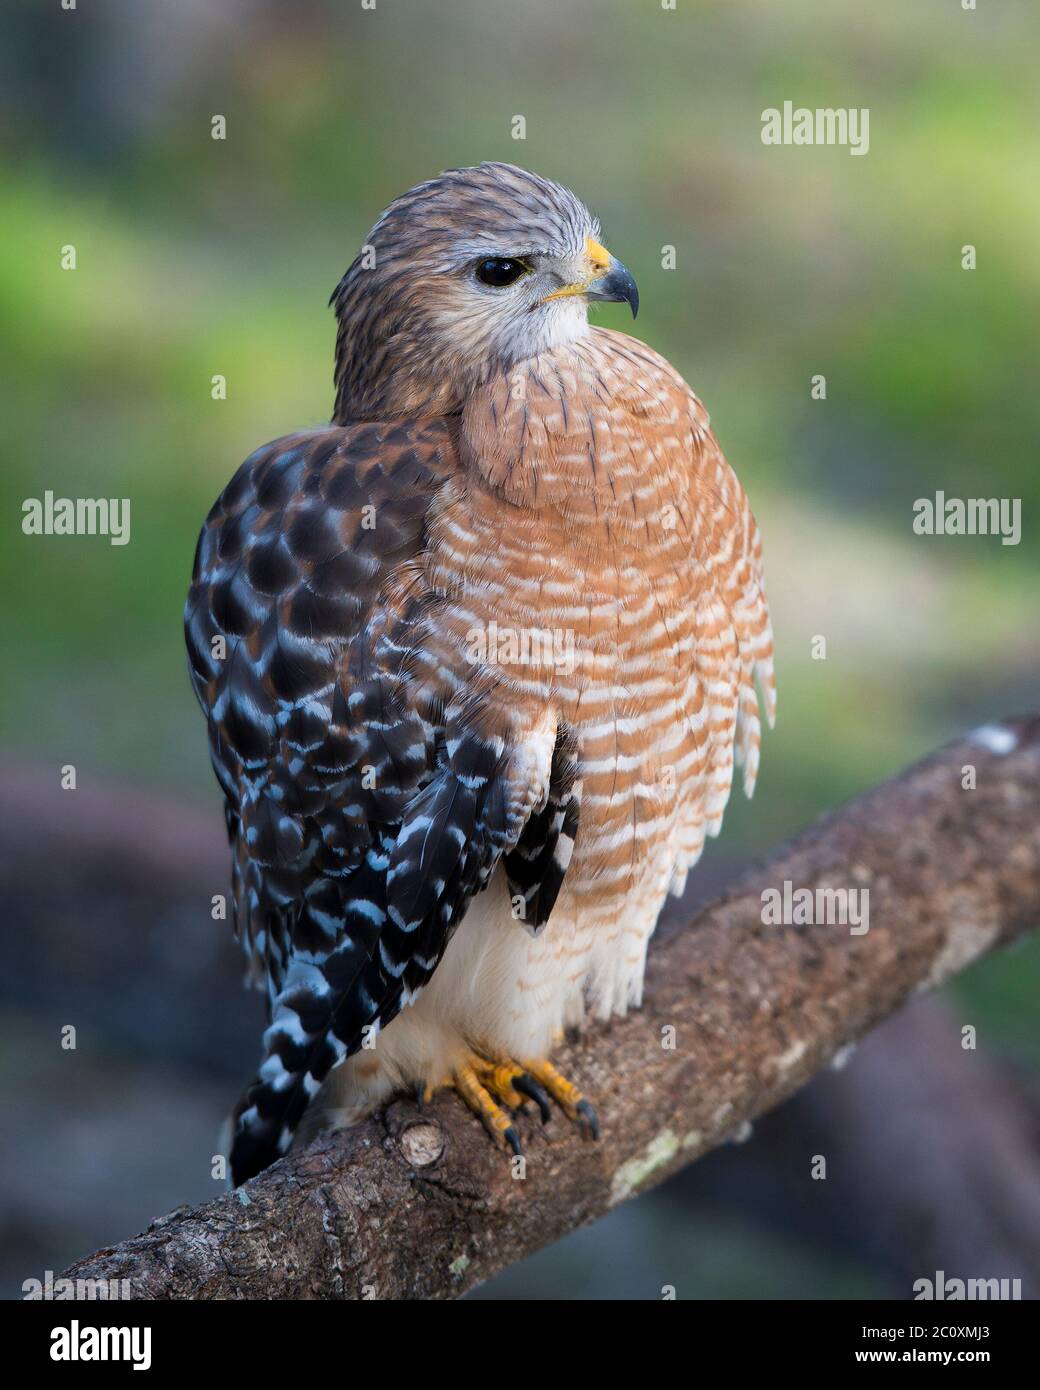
x: 417, y: 1204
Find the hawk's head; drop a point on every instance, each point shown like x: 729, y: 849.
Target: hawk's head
x: 463, y: 276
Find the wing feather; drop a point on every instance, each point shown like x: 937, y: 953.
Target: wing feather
x: 366, y: 804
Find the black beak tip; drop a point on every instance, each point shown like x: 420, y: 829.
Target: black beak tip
x: 624, y: 286
x: 617, y: 287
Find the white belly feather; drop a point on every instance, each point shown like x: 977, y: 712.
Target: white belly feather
x: 505, y: 992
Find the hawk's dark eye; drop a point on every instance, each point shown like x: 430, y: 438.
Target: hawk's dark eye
x: 499, y: 271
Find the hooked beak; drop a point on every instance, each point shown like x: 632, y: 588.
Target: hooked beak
x: 615, y: 286
x: 608, y: 280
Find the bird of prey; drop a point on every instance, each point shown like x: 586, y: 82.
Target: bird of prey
x: 477, y: 661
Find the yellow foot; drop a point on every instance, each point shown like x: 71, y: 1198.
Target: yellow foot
x: 566, y: 1095
x: 482, y: 1084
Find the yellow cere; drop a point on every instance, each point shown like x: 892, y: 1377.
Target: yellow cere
x: 599, y: 263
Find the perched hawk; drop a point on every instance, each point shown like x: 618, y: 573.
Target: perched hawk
x: 477, y: 660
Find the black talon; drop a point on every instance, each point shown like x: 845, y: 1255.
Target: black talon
x: 513, y: 1140
x: 589, y: 1118
x: 528, y: 1086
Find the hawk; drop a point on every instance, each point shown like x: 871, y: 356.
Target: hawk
x: 477, y: 660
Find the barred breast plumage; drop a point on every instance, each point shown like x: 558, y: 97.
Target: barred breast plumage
x: 592, y: 504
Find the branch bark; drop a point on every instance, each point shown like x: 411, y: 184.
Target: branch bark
x: 417, y: 1204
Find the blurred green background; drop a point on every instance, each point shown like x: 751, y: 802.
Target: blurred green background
x: 197, y: 257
